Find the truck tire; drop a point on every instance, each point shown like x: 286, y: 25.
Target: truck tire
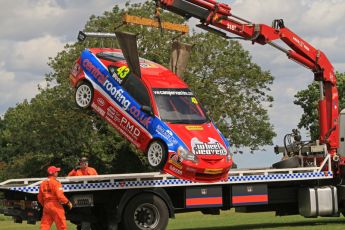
x: 157, y: 155
x: 84, y: 95
x: 293, y: 162
x: 145, y: 211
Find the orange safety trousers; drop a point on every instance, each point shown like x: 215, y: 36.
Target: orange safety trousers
x: 53, y: 212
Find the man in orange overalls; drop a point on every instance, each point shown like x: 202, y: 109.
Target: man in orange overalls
x: 83, y: 169
x: 51, y: 197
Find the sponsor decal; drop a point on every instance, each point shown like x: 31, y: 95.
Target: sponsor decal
x: 194, y: 100
x: 122, y: 72
x: 167, y: 134
x: 177, y: 165
x: 140, y: 116
x: 213, y: 171
x: 113, y: 114
x: 119, y: 73
x: 122, y: 123
x: 129, y: 127
x: 98, y: 109
x: 118, y: 121
x: 175, y: 170
x: 117, y: 93
x: 100, y: 101
x: 148, y: 65
x: 119, y: 80
x: 87, y: 64
x: 213, y: 147
x: 194, y: 127
x: 175, y: 160
x: 123, y: 132
x: 173, y: 92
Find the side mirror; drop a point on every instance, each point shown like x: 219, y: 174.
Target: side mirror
x: 147, y: 109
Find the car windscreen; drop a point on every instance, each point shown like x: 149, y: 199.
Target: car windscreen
x: 179, y: 106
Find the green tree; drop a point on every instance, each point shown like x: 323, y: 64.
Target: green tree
x: 233, y: 88
x: 50, y: 129
x: 308, y: 100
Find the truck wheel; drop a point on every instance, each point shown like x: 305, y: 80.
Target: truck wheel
x: 84, y: 95
x: 293, y: 162
x: 157, y: 155
x: 145, y: 211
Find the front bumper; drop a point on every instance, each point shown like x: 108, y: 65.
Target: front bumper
x: 202, y: 171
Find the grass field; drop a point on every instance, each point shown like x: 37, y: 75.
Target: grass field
x: 228, y: 220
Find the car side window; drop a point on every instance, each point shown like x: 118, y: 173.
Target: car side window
x: 136, y: 88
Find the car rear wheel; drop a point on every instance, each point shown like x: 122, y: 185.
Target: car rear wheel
x: 84, y: 95
x: 157, y: 155
x: 145, y: 211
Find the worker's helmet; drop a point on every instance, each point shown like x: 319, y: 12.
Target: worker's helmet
x: 83, y: 160
x: 52, y: 169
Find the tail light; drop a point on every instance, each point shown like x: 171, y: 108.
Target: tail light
x: 76, y: 68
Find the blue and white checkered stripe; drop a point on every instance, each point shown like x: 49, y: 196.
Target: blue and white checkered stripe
x: 97, y: 186
x: 280, y: 177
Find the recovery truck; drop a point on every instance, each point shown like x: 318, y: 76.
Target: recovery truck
x: 309, y: 182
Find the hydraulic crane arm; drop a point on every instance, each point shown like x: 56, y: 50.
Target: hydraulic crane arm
x: 217, y: 17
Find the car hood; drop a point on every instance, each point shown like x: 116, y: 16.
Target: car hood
x: 203, y: 140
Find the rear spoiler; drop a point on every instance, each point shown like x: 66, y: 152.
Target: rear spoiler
x: 83, y: 35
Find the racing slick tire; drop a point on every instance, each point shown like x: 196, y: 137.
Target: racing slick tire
x: 157, y: 155
x: 84, y: 95
x: 145, y: 211
x: 293, y: 162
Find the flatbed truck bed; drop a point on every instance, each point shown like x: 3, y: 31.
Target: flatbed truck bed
x: 148, y: 200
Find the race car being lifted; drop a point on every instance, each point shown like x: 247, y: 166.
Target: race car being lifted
x: 217, y: 18
x: 153, y: 109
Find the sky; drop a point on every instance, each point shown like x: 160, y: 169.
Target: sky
x: 34, y: 30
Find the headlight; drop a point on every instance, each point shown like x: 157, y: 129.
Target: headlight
x: 186, y: 155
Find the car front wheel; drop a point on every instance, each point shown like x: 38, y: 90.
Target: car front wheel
x: 84, y: 95
x: 157, y: 155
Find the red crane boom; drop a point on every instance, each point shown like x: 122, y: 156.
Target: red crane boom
x: 217, y: 17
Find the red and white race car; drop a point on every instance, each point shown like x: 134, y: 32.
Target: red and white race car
x: 156, y: 112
